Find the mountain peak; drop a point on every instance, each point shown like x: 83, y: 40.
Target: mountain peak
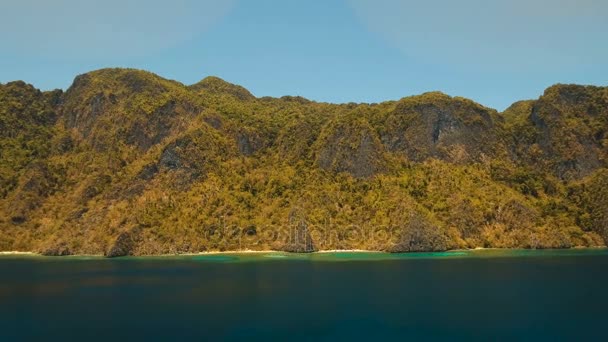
x: 128, y: 78
x: 216, y: 85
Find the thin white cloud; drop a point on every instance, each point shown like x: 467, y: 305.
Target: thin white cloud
x: 75, y: 29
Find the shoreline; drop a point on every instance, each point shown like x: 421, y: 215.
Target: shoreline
x: 320, y: 252
x: 244, y: 251
x: 16, y: 253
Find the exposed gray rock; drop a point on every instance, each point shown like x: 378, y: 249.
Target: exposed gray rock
x: 18, y: 219
x: 148, y: 172
x: 60, y: 249
x: 299, y: 239
x: 351, y: 147
x: 567, y: 119
x: 420, y: 235
x: 248, y: 142
x: 435, y: 125
x: 170, y: 158
x: 124, y: 244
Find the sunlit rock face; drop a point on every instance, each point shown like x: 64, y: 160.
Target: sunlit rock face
x: 434, y: 125
x: 571, y: 124
x: 134, y: 107
x: 352, y: 147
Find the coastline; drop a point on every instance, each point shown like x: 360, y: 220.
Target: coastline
x: 348, y: 251
x: 320, y: 252
x: 17, y: 253
x: 243, y: 251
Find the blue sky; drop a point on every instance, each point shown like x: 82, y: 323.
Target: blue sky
x: 494, y: 52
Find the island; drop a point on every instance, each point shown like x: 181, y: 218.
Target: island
x: 126, y: 162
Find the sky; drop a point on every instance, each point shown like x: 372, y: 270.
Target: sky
x: 494, y: 52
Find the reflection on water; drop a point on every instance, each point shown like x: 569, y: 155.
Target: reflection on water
x: 451, y: 295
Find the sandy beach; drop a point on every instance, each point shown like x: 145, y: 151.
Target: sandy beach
x: 250, y: 251
x: 16, y: 253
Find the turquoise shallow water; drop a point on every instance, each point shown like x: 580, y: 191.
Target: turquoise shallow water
x: 338, y: 256
x: 459, y: 295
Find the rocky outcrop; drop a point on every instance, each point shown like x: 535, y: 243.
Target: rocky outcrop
x: 419, y: 234
x: 516, y: 215
x: 133, y: 106
x: 125, y: 244
x: 36, y: 184
x: 61, y: 249
x: 194, y: 152
x: 350, y: 146
x: 27, y: 119
x: 299, y: 239
x: 296, y: 139
x: 96, y: 186
x: 249, y: 142
x: 572, y: 125
x: 435, y: 125
x: 26, y: 106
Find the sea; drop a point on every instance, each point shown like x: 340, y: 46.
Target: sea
x: 486, y: 295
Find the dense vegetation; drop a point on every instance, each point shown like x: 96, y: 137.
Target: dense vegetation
x: 125, y: 162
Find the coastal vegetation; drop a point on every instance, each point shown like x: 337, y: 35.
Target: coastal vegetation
x: 125, y: 162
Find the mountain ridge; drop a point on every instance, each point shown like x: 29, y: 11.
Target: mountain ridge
x: 126, y: 162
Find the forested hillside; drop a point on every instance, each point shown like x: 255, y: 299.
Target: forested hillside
x: 125, y: 162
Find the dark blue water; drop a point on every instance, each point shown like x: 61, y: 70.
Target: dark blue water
x: 542, y: 296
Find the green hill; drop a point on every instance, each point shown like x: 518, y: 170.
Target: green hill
x: 127, y: 163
